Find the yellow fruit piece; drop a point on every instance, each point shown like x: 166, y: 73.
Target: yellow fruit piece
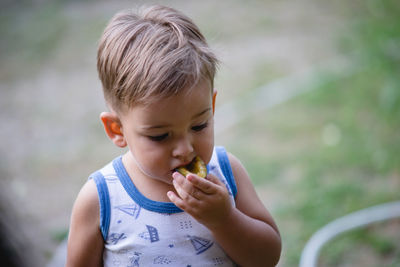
x: 197, y: 166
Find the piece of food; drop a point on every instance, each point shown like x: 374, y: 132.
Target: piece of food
x: 197, y: 167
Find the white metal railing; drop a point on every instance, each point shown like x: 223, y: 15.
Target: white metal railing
x: 361, y: 218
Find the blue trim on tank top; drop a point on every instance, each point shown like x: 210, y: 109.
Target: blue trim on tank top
x: 104, y: 202
x: 137, y: 196
x: 226, y: 168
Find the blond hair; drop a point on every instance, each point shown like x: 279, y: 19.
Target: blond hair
x: 153, y: 54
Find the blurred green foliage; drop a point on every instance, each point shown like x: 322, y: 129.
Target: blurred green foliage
x: 377, y: 42
x: 371, y: 115
x: 30, y: 33
x: 363, y: 168
x: 36, y: 32
x: 339, y: 143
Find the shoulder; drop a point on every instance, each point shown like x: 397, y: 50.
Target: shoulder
x: 86, y: 209
x: 237, y: 167
x: 85, y: 242
x: 87, y: 200
x: 228, y: 159
x: 247, y: 200
x: 242, y: 179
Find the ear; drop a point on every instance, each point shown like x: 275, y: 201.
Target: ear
x: 213, y: 100
x: 113, y: 127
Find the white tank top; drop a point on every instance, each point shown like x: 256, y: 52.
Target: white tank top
x: 138, y: 231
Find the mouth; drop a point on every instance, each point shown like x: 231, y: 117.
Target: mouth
x: 196, y: 166
x: 187, y: 164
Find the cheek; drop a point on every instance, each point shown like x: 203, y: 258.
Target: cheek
x: 206, y: 145
x: 149, y: 155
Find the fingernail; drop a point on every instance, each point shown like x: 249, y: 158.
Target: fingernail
x: 175, y: 174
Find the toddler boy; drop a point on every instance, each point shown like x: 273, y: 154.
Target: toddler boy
x: 157, y: 73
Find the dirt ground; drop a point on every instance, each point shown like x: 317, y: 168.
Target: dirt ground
x: 52, y: 139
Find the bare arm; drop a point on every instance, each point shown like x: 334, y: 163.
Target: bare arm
x: 85, y: 242
x: 246, y: 232
x: 249, y: 225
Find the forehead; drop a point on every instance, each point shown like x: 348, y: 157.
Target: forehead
x: 181, y: 106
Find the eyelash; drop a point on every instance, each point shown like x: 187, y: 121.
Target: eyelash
x: 200, y: 127
x: 159, y: 138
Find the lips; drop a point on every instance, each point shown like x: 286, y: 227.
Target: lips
x: 196, y: 166
x: 186, y: 164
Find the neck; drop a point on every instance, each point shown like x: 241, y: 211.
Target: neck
x: 151, y: 187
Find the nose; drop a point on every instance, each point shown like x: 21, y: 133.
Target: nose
x: 183, y: 148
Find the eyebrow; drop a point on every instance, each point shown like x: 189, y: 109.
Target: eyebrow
x: 164, y: 126
x: 201, y: 113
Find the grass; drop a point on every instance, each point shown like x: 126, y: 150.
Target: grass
x: 343, y: 140
x: 34, y: 34
x: 346, y: 248
x: 328, y: 152
x: 30, y: 35
x: 358, y: 169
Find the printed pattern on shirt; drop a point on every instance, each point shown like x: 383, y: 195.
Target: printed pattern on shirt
x: 114, y: 238
x: 138, y: 236
x: 153, y: 232
x: 130, y: 209
x: 200, y: 244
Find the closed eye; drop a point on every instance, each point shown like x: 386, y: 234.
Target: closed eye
x: 158, y: 138
x: 200, y: 127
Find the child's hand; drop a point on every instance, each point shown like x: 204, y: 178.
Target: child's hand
x: 205, y: 199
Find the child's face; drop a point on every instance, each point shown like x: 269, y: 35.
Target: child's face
x: 169, y: 133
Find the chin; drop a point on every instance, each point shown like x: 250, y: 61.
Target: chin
x: 165, y: 179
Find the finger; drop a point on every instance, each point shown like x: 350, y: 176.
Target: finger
x: 185, y: 184
x: 180, y: 180
x: 176, y: 200
x: 187, y: 193
x: 214, y: 179
x: 202, y: 184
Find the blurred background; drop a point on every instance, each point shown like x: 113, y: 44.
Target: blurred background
x: 308, y: 99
